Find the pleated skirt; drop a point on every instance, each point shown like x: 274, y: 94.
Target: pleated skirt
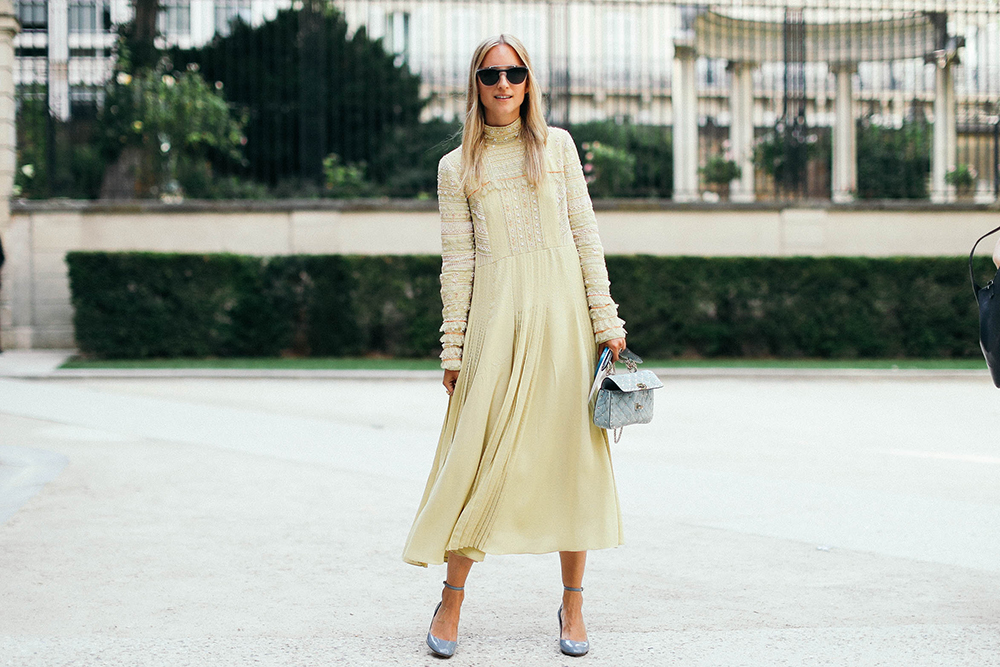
x: 519, y: 466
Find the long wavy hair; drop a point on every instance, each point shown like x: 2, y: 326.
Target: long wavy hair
x: 534, y: 130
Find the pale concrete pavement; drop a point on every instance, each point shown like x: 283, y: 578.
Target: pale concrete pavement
x: 260, y: 521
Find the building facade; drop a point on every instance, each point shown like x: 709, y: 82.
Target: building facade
x: 740, y: 66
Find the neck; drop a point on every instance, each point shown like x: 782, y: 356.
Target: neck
x: 500, y: 121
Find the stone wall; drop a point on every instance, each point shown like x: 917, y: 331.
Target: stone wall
x: 35, y: 308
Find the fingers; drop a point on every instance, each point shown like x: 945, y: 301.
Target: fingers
x: 616, y: 345
x: 450, y: 380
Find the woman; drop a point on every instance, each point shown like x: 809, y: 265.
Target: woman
x: 519, y: 467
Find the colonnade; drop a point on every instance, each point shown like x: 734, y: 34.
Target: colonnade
x: 684, y: 97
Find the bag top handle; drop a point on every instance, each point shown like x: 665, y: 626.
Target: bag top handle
x: 972, y: 275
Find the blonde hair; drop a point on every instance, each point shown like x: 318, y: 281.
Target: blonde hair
x: 534, y: 130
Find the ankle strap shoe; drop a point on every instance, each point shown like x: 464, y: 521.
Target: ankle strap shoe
x: 568, y: 646
x: 442, y: 647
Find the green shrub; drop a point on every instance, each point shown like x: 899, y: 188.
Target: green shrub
x: 784, y: 153
x: 829, y: 307
x: 650, y: 147
x: 139, y: 305
x: 609, y: 171
x: 149, y: 305
x: 407, y: 164
x: 343, y: 181
x: 893, y: 163
x: 720, y: 171
x: 962, y: 177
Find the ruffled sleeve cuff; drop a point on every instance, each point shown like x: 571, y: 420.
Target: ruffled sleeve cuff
x: 610, y: 334
x: 451, y: 358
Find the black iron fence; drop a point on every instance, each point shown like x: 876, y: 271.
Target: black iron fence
x: 857, y: 99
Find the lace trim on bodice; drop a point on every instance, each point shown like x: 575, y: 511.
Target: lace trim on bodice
x: 502, y: 134
x: 464, y: 234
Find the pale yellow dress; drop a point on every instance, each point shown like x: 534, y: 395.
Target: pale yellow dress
x: 520, y: 467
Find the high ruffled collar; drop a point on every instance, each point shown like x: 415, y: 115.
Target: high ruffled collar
x: 502, y: 134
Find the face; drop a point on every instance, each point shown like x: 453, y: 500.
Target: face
x: 501, y: 102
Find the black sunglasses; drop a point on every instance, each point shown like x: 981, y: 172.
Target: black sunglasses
x: 490, y: 76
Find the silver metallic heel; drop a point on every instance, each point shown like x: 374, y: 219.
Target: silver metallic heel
x: 568, y: 646
x: 442, y: 647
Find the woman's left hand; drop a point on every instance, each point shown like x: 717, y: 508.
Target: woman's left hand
x: 616, y: 345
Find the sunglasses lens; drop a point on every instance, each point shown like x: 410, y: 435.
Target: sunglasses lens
x: 517, y: 75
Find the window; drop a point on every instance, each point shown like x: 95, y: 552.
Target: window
x: 174, y: 18
x: 31, y: 52
x: 227, y: 11
x: 89, y: 15
x: 397, y: 35
x: 461, y: 24
x: 621, y: 43
x: 83, y: 101
x: 33, y: 14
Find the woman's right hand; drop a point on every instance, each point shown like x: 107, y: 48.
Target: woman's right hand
x: 450, y: 378
x: 996, y: 254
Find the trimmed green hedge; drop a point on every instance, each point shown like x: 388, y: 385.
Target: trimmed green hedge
x: 142, y: 305
x: 829, y: 307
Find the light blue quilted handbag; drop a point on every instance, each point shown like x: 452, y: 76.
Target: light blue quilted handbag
x: 626, y: 398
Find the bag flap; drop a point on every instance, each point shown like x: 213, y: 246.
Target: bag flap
x: 637, y: 381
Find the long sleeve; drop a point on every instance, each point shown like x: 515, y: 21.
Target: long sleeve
x: 458, y: 260
x: 583, y: 224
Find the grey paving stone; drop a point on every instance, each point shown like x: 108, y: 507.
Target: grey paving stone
x: 783, y: 521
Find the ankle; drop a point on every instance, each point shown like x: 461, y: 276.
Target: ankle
x: 572, y: 601
x: 572, y: 592
x: 452, y: 596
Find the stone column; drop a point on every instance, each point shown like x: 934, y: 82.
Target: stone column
x: 951, y: 129
x: 12, y: 248
x: 845, y: 151
x: 684, y: 100
x: 741, y: 130
x: 945, y: 151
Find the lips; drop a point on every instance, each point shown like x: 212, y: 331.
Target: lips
x: 503, y: 97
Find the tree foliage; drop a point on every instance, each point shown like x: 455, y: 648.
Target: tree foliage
x: 309, y: 88
x: 174, y: 122
x: 139, y: 37
x: 51, y: 160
